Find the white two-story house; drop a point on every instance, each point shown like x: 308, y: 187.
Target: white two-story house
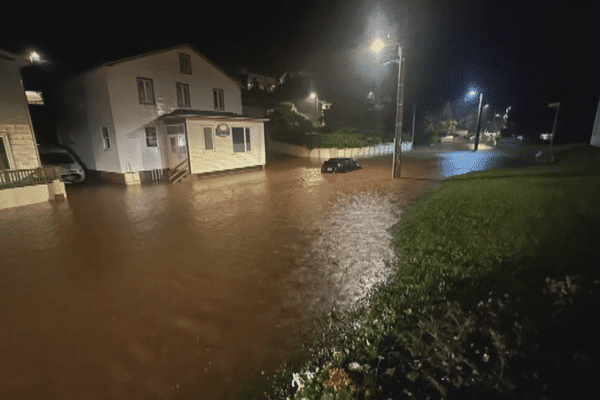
x: 166, y: 111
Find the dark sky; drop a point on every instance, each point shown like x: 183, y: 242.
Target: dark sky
x: 522, y: 54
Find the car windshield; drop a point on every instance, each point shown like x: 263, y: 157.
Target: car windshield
x: 56, y: 158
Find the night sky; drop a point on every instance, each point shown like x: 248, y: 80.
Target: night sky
x: 521, y: 54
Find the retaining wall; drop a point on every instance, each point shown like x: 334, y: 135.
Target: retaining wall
x: 322, y: 154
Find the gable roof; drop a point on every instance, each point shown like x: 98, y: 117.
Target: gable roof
x: 111, y: 63
x: 20, y: 61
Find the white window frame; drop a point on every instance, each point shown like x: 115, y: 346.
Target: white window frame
x: 149, y: 129
x: 105, y: 138
x: 145, y: 88
x: 183, y: 68
x: 212, y: 137
x: 183, y: 95
x: 218, y: 99
x: 247, y: 139
x: 7, y: 148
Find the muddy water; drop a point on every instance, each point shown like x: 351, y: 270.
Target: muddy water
x: 191, y: 290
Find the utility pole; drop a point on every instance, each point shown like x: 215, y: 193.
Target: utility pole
x: 396, y: 164
x: 478, y: 121
x: 412, y: 140
x: 557, y: 106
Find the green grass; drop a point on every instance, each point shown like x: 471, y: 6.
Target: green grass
x: 495, y: 295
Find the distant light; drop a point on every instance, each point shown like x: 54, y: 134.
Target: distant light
x: 377, y: 45
x: 313, y: 95
x: 35, y: 57
x: 34, y: 97
x: 472, y: 93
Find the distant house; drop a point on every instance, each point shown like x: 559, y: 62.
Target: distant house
x: 22, y: 180
x: 167, y: 112
x: 263, y: 93
x: 595, y: 140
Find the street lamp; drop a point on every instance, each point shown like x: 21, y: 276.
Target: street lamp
x: 377, y: 46
x: 313, y: 96
x: 472, y: 94
x: 557, y: 106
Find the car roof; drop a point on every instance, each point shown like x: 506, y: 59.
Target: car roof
x: 339, y: 159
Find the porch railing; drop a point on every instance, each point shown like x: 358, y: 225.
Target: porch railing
x: 180, y: 171
x: 11, y: 178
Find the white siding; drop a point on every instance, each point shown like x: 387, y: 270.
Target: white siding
x: 131, y: 118
x: 13, y: 103
x: 223, y: 157
x: 15, y: 124
x: 84, y: 109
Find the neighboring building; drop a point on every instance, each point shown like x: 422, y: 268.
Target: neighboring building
x: 22, y: 181
x: 17, y: 142
x: 142, y: 117
x: 595, y: 140
x: 263, y: 93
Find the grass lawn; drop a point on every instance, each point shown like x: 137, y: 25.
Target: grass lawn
x: 495, y: 295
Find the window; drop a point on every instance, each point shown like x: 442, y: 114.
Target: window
x: 151, y: 138
x: 183, y: 95
x: 145, y: 90
x: 4, y: 164
x: 105, y: 138
x: 219, y: 99
x: 185, y: 63
x: 208, y: 138
x: 241, y: 139
x: 248, y: 147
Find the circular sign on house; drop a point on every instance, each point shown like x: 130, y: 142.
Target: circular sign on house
x: 222, y: 130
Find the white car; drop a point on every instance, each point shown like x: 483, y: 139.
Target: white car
x: 71, y: 170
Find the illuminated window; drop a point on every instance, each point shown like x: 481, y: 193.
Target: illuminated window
x: 151, y: 138
x: 241, y: 139
x: 219, y: 99
x: 185, y: 63
x: 105, y: 138
x: 145, y: 90
x: 183, y: 95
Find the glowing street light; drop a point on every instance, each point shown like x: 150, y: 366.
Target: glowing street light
x: 376, y: 47
x: 473, y: 93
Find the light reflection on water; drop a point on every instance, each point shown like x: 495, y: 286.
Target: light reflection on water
x: 167, y: 291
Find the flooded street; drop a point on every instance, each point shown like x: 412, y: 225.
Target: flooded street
x: 191, y: 290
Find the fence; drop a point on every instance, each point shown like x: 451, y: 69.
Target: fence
x: 28, y: 177
x: 325, y: 153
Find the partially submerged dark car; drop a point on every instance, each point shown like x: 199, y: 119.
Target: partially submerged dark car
x: 340, y: 165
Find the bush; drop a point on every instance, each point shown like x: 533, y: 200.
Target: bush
x: 346, y: 138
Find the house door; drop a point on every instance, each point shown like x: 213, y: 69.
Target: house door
x: 176, y: 143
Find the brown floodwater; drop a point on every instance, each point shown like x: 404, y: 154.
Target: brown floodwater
x: 195, y: 290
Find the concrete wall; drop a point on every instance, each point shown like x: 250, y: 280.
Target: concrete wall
x: 322, y: 154
x: 223, y: 157
x: 26, y: 195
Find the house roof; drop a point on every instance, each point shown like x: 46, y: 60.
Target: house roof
x: 110, y: 63
x: 5, y: 55
x: 187, y: 113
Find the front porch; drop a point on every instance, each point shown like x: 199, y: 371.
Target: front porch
x: 30, y: 186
